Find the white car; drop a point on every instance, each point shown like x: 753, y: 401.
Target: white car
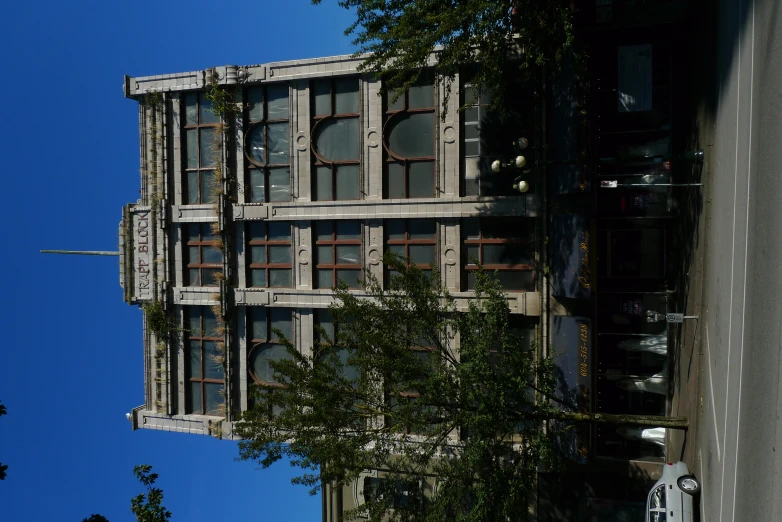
x: 672, y: 498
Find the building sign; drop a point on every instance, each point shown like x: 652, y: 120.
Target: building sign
x: 571, y: 256
x: 572, y: 346
x: 143, y: 239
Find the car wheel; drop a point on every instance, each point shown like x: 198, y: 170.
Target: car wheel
x: 689, y: 484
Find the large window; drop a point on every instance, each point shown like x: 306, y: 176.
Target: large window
x: 204, y: 257
x: 409, y: 141
x: 505, y: 248
x: 263, y: 324
x: 473, y: 146
x: 415, y: 239
x: 338, y: 253
x: 203, y: 363
x: 324, y: 323
x: 267, y: 143
x: 202, y: 148
x: 271, y: 256
x: 335, y: 139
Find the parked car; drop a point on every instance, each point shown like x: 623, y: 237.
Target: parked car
x: 672, y: 499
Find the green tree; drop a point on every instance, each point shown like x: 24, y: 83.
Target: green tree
x: 391, y: 391
x: 400, y: 35
x: 149, y: 507
x: 96, y: 518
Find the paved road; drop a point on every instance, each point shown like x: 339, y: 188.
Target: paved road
x: 740, y: 428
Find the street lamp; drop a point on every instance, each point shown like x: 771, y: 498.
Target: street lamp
x: 522, y: 143
x: 520, y: 185
x: 518, y: 162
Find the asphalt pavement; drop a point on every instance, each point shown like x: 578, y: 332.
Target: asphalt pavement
x: 739, y: 448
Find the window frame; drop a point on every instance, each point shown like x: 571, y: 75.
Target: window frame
x: 333, y: 242
x: 202, y: 337
x: 266, y: 243
x: 319, y: 160
x: 391, y: 158
x: 481, y: 242
x: 202, y: 105
x: 266, y: 167
x: 200, y: 243
x: 407, y: 242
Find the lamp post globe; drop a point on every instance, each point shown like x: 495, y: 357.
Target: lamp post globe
x: 496, y: 166
x: 522, y: 143
x: 520, y: 161
x: 522, y: 186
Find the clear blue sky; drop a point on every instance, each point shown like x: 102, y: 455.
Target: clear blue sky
x: 72, y: 366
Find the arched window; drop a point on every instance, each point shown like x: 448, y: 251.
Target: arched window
x: 267, y: 143
x: 266, y: 346
x: 409, y: 141
x: 336, y: 139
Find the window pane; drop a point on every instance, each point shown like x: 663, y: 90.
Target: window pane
x: 279, y: 231
x: 421, y: 96
x: 412, y: 135
x: 422, y: 228
x: 279, y: 143
x: 396, y: 181
x: 509, y: 254
x: 422, y: 254
x: 192, y: 188
x: 206, y: 232
x: 255, y: 103
x: 395, y: 229
x: 471, y: 115
x: 337, y: 140
x: 472, y: 148
x: 351, y: 277
x: 421, y: 179
x: 192, y: 148
x: 191, y: 108
x: 348, y: 229
x: 214, y: 399
x: 257, y: 229
x: 205, y: 112
x: 399, y: 104
x: 194, y: 398
x: 211, y: 255
x: 397, y: 249
x: 324, y: 254
x: 346, y: 95
x: 257, y: 186
x: 210, y: 323
x: 472, y: 255
x: 323, y: 184
x: 279, y: 254
x: 472, y: 132
x: 260, y: 357
x: 277, y: 101
x: 194, y: 277
x: 192, y: 255
x: 324, y: 320
x: 280, y: 277
x: 471, y: 187
x: 214, y: 361
x: 347, y: 182
x: 258, y: 277
x: 348, y: 254
x: 322, y: 96
x: 256, y: 146
x: 194, y: 323
x: 324, y: 229
x: 281, y: 319
x: 209, y: 147
x: 209, y: 276
x: 470, y: 229
x: 194, y: 347
x: 517, y: 279
x: 325, y: 279
x: 258, y: 255
x: 207, y: 187
x: 258, y: 322
x: 279, y: 185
